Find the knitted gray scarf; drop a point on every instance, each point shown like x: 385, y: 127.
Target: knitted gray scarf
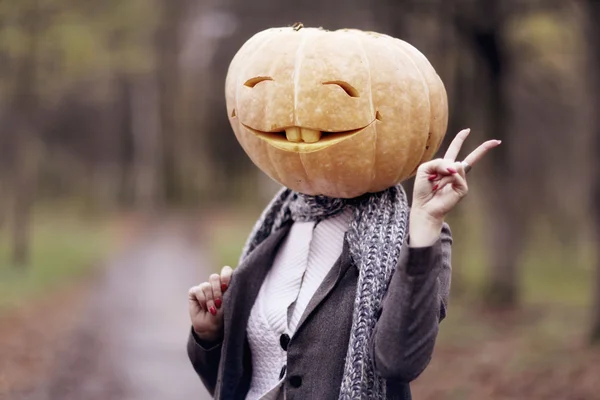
x: 375, y: 237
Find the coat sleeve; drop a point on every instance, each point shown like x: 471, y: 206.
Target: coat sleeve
x: 205, y: 358
x: 415, y: 304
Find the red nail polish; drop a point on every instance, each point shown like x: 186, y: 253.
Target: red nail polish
x: 223, y: 287
x: 218, y: 302
x: 435, y: 187
x: 213, y: 310
x: 451, y: 170
x: 432, y: 177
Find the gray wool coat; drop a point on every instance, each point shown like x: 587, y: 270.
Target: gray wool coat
x: 402, y: 343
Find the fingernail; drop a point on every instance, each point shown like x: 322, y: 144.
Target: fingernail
x: 432, y: 177
x: 223, y: 287
x: 213, y: 310
x: 451, y: 170
x: 435, y: 187
x: 218, y: 302
x: 499, y: 141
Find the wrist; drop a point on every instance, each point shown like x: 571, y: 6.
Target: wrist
x: 206, y: 345
x: 208, y: 336
x: 424, y: 229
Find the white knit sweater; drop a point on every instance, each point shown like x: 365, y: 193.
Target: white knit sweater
x: 302, y: 262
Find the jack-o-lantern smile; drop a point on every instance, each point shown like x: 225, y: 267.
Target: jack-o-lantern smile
x: 337, y: 113
x: 304, y: 140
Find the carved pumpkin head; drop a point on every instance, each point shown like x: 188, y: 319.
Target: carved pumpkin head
x: 338, y: 113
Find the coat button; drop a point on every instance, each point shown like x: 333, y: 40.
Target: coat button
x: 296, y: 381
x: 282, y: 373
x: 284, y: 340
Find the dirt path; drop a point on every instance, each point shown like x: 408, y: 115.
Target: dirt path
x: 130, y: 345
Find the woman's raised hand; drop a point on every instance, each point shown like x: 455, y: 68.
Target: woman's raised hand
x: 440, y: 184
x: 205, y: 303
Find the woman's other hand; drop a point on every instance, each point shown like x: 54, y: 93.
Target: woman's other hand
x: 439, y: 185
x: 205, y: 303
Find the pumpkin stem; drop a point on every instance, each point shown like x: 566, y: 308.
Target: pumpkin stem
x: 297, y: 26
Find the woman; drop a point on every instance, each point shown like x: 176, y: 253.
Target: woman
x: 293, y: 320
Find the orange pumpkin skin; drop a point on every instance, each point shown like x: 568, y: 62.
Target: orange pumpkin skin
x: 336, y: 113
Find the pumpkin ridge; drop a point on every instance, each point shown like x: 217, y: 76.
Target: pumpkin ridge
x: 368, y: 65
x: 242, y: 72
x: 274, y: 164
x: 296, y: 75
x: 308, y: 179
x: 426, y: 86
x: 272, y: 69
x: 443, y: 96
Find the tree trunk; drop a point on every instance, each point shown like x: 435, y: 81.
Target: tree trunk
x: 392, y: 17
x: 145, y: 129
x: 460, y: 102
x: 24, y: 124
x: 25, y: 182
x: 593, y: 35
x: 503, y: 209
x: 169, y: 80
x: 485, y: 37
x: 4, y: 201
x: 502, y: 290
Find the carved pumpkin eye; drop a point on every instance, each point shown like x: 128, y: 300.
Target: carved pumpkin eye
x: 348, y: 88
x: 255, y: 81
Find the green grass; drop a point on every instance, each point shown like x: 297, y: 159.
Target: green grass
x: 62, y: 249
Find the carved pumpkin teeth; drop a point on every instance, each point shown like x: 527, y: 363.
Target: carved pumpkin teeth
x: 310, y: 135
x: 293, y: 134
x: 306, y: 135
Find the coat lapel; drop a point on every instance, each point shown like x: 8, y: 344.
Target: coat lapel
x: 331, y: 279
x: 238, y: 301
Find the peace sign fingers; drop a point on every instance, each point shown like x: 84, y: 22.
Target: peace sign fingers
x: 480, y: 151
x: 456, y: 145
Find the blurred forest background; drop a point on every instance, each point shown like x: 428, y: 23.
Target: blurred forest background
x: 112, y: 114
